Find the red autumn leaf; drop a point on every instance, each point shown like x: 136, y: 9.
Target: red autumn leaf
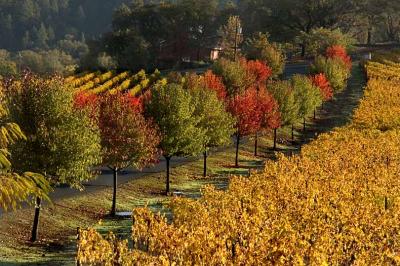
x: 84, y: 99
x: 323, y: 84
x: 128, y: 139
x: 254, y: 110
x: 269, y: 110
x: 258, y: 71
x: 245, y: 108
x: 215, y: 83
x: 338, y: 51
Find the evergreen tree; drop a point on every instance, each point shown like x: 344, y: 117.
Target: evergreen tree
x: 41, y: 36
x: 232, y: 37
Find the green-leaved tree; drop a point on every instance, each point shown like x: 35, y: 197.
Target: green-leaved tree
x: 217, y: 124
x: 61, y: 141
x: 283, y: 93
x: 15, y: 187
x: 307, y: 95
x: 171, y: 108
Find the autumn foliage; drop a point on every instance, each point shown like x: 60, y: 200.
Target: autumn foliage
x: 334, y: 203
x: 215, y: 83
x: 258, y: 72
x: 338, y: 51
x: 84, y: 99
x: 246, y: 109
x: 253, y: 111
x: 324, y: 86
x: 269, y: 110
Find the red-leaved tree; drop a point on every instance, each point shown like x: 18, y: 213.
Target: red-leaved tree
x: 270, y: 115
x: 245, y: 108
x: 258, y: 72
x: 215, y: 83
x: 127, y: 138
x: 338, y: 51
x: 324, y: 86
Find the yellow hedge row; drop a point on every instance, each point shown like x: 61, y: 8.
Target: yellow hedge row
x: 336, y: 203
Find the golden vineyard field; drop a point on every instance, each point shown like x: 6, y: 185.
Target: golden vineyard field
x: 112, y: 82
x: 336, y: 203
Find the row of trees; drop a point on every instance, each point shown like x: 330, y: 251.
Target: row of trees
x: 67, y: 133
x: 335, y: 203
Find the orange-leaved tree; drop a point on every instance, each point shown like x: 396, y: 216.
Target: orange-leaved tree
x: 322, y: 82
x: 249, y: 110
x: 258, y: 73
x: 127, y: 138
x: 338, y: 51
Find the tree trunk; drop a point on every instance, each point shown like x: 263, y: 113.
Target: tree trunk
x: 114, y: 200
x: 315, y: 115
x: 369, y: 37
x: 237, y: 150
x: 256, y: 144
x: 292, y: 133
x: 304, y: 124
x: 303, y: 50
x: 275, y: 133
x: 205, y: 164
x: 36, y: 220
x: 167, y: 159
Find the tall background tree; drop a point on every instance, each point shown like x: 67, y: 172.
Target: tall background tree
x: 231, y: 37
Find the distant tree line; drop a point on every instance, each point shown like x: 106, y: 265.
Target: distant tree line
x: 135, y: 34
x: 148, y: 35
